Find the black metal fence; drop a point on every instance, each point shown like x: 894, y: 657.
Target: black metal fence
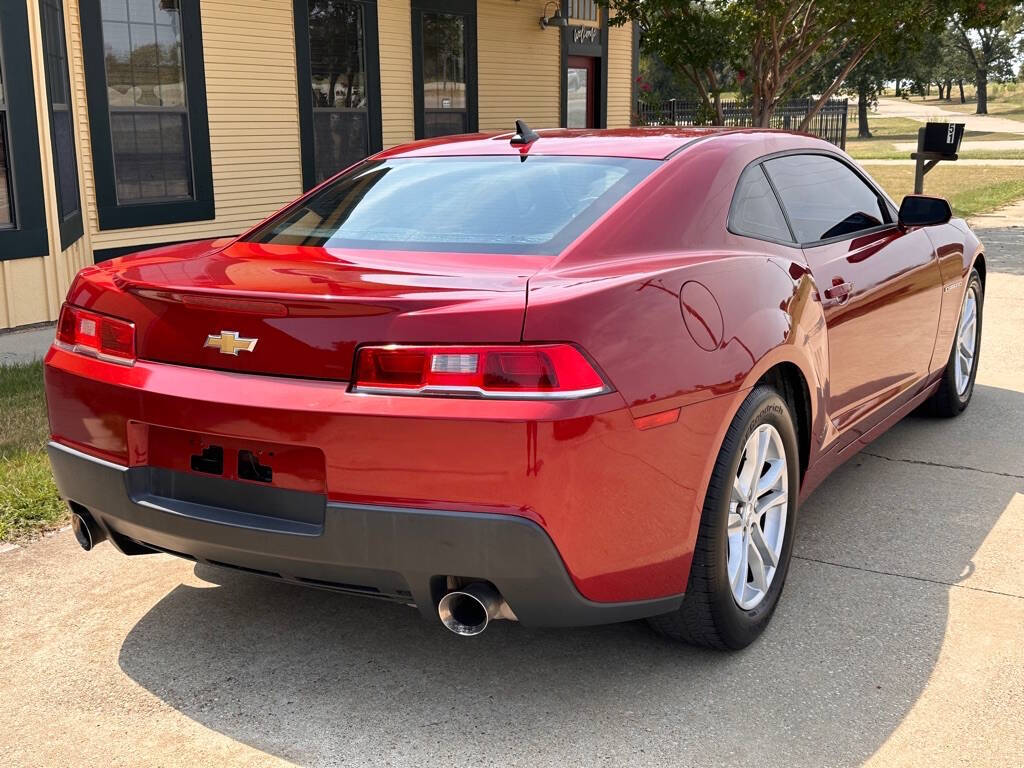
x: 828, y: 124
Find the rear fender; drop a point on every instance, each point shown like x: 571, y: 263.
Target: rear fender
x: 764, y: 312
x: 756, y: 311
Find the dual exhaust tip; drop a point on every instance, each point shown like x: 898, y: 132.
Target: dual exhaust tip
x: 469, y: 610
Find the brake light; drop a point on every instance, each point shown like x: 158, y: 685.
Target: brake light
x: 90, y: 333
x: 522, y: 371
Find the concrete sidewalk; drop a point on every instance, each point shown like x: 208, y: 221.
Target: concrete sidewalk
x: 23, y: 346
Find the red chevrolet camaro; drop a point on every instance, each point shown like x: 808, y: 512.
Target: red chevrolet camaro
x: 568, y: 378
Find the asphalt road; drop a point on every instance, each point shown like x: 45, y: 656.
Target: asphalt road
x: 899, y: 641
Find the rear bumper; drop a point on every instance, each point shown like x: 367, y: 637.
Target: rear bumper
x: 620, y: 504
x: 401, y: 554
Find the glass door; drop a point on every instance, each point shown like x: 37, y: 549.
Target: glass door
x: 580, y: 91
x: 444, y: 68
x: 337, y: 55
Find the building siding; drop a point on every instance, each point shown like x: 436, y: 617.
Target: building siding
x: 518, y: 67
x: 252, y: 103
x: 620, y: 75
x: 394, y: 28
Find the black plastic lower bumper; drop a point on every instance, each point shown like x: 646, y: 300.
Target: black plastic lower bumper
x: 388, y: 552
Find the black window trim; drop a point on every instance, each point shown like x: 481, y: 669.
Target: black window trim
x: 112, y: 215
x: 303, y: 67
x: 28, y: 238
x: 467, y: 9
x: 732, y: 228
x: 880, y: 194
x: 71, y: 226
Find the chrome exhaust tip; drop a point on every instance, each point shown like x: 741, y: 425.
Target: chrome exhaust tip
x: 87, y: 533
x: 470, y: 610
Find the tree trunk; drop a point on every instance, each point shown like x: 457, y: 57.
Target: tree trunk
x: 939, y: 85
x: 949, y: 90
x: 981, y: 81
x: 898, y: 91
x: 862, y: 114
x: 963, y: 99
x: 719, y: 114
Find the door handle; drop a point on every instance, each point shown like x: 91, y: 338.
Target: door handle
x: 838, y: 294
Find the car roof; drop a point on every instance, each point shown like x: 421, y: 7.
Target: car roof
x: 651, y: 143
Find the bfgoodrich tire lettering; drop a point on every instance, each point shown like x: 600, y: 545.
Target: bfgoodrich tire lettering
x: 711, y: 614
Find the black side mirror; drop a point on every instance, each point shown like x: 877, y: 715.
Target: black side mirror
x: 924, y: 211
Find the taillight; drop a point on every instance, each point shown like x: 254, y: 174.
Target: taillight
x: 90, y: 333
x: 522, y: 371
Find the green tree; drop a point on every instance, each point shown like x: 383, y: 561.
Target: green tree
x: 866, y: 82
x: 988, y: 34
x: 952, y: 66
x: 779, y: 45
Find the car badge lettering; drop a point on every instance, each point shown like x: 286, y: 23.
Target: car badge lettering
x: 230, y: 343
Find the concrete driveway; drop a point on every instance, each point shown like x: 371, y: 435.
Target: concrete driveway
x: 899, y: 641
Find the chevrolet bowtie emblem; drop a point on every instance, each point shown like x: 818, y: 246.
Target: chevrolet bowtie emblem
x: 230, y: 343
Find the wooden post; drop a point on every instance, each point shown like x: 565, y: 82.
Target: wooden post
x: 924, y: 162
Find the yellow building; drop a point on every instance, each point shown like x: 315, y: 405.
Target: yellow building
x: 133, y: 123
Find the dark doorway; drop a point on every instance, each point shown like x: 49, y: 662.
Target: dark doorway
x: 444, y: 67
x: 581, y: 92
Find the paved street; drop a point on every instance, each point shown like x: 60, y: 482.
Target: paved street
x: 899, y: 641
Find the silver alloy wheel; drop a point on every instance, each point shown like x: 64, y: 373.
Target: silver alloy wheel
x: 967, y: 340
x: 757, y: 516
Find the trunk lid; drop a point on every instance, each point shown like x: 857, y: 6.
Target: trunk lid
x: 309, y: 307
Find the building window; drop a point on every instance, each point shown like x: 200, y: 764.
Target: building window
x: 585, y: 10
x: 146, y: 91
x: 339, y: 84
x: 62, y: 130
x: 444, y: 67
x: 147, y: 107
x: 22, y: 209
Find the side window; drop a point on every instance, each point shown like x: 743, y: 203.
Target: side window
x: 755, y: 209
x: 824, y: 198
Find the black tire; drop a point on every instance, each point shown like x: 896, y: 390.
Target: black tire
x: 709, y: 615
x: 947, y: 400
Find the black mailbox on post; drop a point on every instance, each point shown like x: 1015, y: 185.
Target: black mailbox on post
x: 935, y: 142
x: 942, y: 138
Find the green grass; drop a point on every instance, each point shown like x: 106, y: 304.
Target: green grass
x: 28, y: 498
x: 984, y: 188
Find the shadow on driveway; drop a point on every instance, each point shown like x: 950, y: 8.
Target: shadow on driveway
x: 320, y: 678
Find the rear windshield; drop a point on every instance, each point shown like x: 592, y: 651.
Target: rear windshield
x: 471, y: 204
